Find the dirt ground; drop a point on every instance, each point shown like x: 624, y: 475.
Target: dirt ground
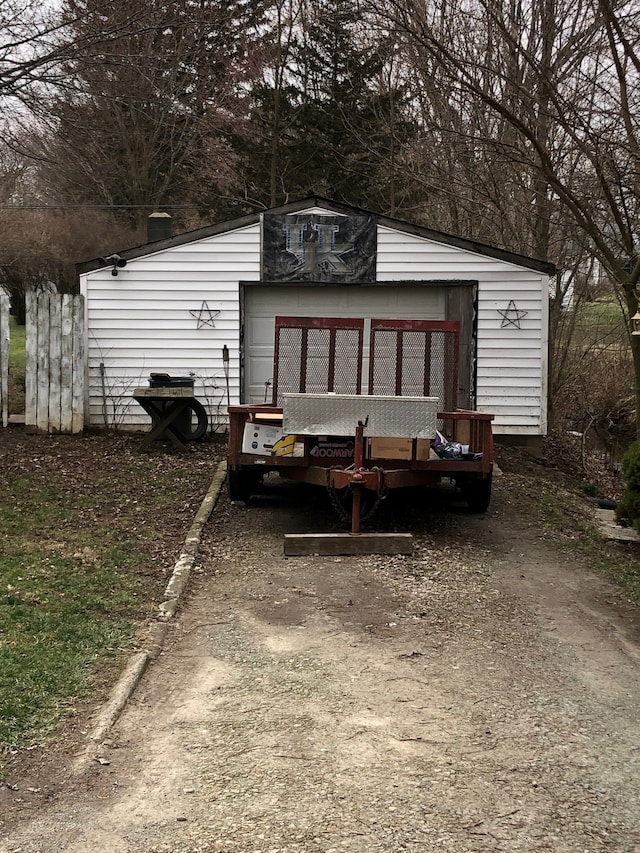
x: 482, y: 694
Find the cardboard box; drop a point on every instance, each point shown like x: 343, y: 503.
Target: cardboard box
x: 398, y: 448
x: 423, y: 451
x: 390, y: 448
x: 336, y: 447
x: 265, y: 440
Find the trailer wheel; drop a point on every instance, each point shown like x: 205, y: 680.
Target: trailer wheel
x: 241, y: 484
x: 477, y: 494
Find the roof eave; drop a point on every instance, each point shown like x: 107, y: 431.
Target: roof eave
x: 328, y: 204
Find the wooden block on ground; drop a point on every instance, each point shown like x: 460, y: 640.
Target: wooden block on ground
x: 337, y: 544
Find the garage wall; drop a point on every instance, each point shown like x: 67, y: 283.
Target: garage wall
x: 511, y: 362
x: 141, y: 322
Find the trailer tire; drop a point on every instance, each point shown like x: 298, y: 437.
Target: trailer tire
x: 241, y: 484
x: 477, y: 494
x: 196, y: 407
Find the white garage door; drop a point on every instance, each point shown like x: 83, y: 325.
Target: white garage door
x: 262, y: 303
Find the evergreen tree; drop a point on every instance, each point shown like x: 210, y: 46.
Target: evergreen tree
x: 329, y: 109
x: 334, y: 66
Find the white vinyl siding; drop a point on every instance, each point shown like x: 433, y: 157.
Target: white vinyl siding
x: 140, y: 321
x: 511, y: 362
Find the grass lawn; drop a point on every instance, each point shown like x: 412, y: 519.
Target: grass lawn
x: 89, y: 532
x: 601, y: 322
x: 17, y: 357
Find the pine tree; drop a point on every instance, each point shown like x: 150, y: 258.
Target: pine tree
x: 329, y: 111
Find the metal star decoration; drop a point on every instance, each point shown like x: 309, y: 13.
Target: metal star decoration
x: 512, y: 316
x: 205, y: 316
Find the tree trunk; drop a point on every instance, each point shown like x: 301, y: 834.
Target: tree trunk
x: 633, y: 303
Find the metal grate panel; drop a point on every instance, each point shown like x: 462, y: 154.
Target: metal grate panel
x: 317, y: 355
x: 415, y: 358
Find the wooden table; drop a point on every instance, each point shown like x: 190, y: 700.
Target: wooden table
x: 164, y: 406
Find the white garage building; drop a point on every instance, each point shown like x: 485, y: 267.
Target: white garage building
x: 173, y: 305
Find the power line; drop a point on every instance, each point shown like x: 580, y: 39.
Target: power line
x: 161, y: 207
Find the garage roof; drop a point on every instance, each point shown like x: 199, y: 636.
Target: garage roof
x: 336, y: 207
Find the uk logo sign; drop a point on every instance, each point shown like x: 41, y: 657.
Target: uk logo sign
x: 316, y: 247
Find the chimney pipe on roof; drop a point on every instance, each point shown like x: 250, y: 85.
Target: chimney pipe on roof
x: 158, y: 227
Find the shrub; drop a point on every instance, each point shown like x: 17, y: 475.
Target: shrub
x: 628, y: 510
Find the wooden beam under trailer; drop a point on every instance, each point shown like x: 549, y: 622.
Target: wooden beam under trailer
x: 345, y: 544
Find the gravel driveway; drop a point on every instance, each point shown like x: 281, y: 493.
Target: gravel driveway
x: 482, y: 694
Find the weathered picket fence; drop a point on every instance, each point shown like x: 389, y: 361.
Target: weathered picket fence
x: 54, y: 376
x: 4, y: 358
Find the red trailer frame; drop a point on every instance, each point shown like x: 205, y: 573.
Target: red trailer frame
x: 472, y: 475
x: 403, y: 353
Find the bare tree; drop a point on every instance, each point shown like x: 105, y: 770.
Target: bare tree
x: 146, y: 114
x: 38, y: 39
x: 561, y: 81
x: 40, y: 245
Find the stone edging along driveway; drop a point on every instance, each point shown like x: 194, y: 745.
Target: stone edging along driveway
x: 137, y: 666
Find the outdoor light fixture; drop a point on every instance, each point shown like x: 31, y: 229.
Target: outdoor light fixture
x: 116, y: 260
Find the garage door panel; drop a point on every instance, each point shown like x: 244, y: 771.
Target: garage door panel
x: 262, y: 303
x: 259, y: 332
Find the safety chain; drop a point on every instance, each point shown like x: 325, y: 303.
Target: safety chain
x: 381, y: 494
x: 333, y: 493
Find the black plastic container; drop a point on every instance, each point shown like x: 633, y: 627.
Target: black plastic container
x: 163, y: 380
